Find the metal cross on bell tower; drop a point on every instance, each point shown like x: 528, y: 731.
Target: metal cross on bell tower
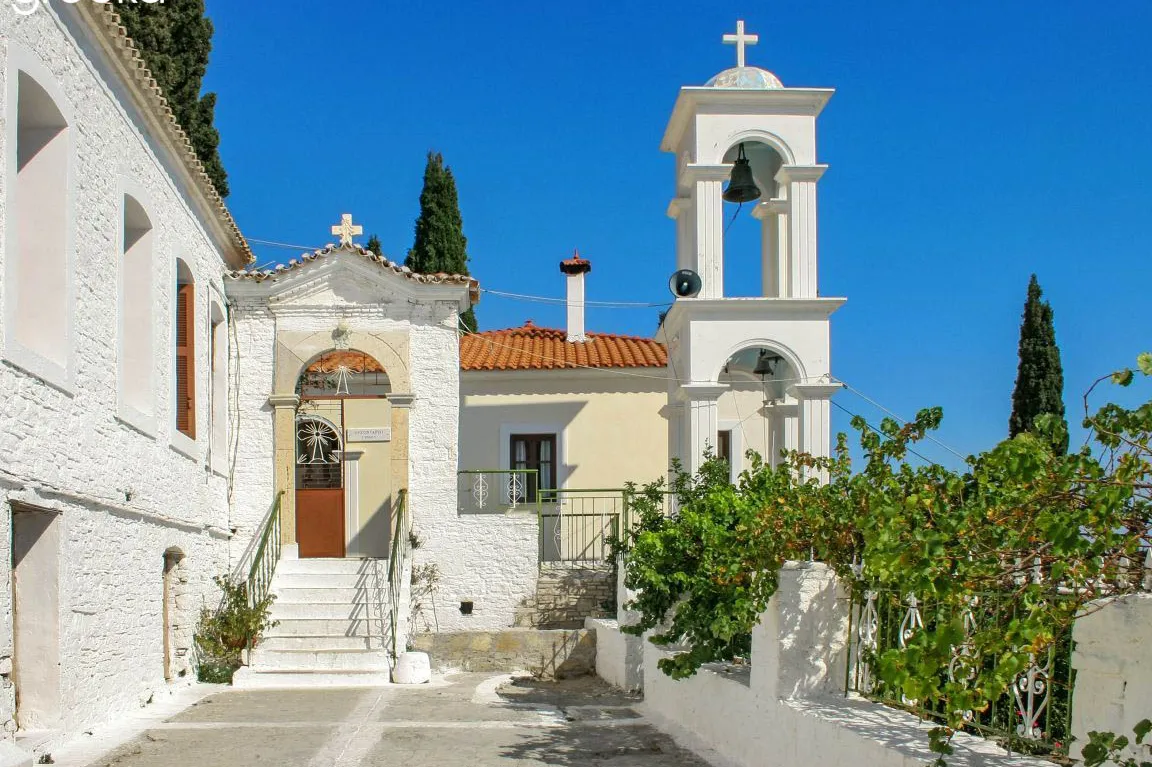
x: 740, y: 40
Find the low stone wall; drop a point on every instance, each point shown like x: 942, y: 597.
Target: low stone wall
x: 619, y: 656
x: 568, y: 594
x: 549, y: 654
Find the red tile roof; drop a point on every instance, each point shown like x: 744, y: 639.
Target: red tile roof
x: 533, y: 348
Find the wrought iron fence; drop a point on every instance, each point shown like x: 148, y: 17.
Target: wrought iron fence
x: 578, y: 525
x: 1033, y: 714
x: 495, y: 491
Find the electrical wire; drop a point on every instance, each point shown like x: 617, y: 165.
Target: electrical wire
x: 563, y: 301
x: 274, y: 244
x: 882, y: 434
x: 902, y: 421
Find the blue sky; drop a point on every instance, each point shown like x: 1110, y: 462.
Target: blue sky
x: 970, y: 143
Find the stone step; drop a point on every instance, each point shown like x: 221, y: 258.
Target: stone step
x: 283, y: 611
x: 366, y: 581
x: 328, y: 627
x: 296, y: 566
x: 315, y: 642
x: 264, y: 659
x: 246, y: 678
x: 330, y: 594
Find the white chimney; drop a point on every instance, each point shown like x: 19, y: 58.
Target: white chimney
x: 576, y: 268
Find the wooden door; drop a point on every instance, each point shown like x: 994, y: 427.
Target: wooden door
x: 320, y: 522
x: 320, y: 481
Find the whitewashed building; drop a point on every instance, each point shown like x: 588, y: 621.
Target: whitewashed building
x: 321, y: 429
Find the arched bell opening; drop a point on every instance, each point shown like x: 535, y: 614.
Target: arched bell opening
x: 752, y: 412
x: 749, y: 248
x: 343, y: 461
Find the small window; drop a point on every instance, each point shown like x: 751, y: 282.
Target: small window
x: 724, y: 446
x: 185, y: 351
x: 538, y: 452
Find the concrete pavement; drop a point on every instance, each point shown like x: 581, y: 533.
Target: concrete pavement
x: 463, y: 720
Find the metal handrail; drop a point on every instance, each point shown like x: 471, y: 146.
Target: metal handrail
x: 396, y: 558
x: 266, y: 557
x: 510, y: 491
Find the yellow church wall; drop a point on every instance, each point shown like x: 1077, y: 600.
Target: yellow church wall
x: 610, y: 428
x: 373, y: 477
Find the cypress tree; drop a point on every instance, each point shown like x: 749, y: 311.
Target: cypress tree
x: 175, y: 39
x: 374, y: 245
x: 440, y: 244
x: 1040, y: 376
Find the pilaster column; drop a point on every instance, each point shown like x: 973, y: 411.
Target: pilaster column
x: 784, y: 424
x: 702, y: 421
x: 707, y: 187
x: 815, y: 404
x: 680, y: 209
x: 401, y: 404
x: 676, y: 417
x: 284, y: 461
x: 773, y: 215
x: 801, y: 182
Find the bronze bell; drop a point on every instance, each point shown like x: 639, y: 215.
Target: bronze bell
x: 741, y: 186
x: 766, y: 361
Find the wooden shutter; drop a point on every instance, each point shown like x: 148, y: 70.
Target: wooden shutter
x: 186, y: 360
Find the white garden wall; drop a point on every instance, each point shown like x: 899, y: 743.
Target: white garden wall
x: 789, y: 709
x: 1113, y: 665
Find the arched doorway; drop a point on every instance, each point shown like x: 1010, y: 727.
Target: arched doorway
x: 341, y: 510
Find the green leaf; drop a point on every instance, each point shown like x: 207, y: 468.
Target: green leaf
x: 1122, y: 377
x: 1142, y: 728
x: 1145, y: 363
x: 1094, y: 754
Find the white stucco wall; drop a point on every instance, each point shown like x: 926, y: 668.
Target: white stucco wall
x: 1113, y: 670
x: 124, y: 495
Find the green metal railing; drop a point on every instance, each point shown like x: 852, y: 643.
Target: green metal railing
x: 266, y: 556
x: 397, y: 556
x: 496, y: 491
x: 578, y: 525
x: 1033, y: 714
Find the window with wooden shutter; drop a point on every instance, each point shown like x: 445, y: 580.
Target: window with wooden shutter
x: 186, y: 360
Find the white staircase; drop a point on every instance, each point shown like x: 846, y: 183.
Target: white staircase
x: 333, y: 628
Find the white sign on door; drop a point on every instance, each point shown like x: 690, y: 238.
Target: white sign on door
x: 379, y: 434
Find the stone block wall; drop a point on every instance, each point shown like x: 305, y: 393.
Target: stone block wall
x: 568, y: 594
x: 547, y: 654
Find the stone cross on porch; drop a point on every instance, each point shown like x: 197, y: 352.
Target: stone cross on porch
x: 347, y: 230
x: 740, y: 40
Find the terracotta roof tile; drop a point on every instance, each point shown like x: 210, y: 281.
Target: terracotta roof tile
x: 533, y: 348
x: 259, y: 275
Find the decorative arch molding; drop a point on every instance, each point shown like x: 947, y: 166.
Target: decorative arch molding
x: 749, y: 135
x: 295, y: 352
x: 784, y: 351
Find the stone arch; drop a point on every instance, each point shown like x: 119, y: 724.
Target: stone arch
x: 749, y: 135
x: 178, y: 615
x: 293, y: 359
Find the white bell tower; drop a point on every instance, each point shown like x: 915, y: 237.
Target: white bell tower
x: 768, y: 354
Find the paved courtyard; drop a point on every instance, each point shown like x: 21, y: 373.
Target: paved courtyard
x: 464, y: 720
